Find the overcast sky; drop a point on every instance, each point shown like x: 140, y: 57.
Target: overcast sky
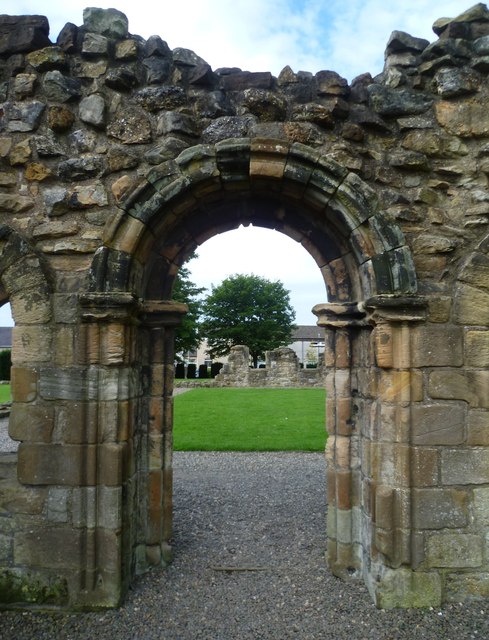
x: 346, y: 36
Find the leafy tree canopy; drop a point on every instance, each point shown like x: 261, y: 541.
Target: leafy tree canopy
x: 248, y: 310
x: 184, y: 290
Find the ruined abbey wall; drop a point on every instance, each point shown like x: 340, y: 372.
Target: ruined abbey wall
x: 118, y: 158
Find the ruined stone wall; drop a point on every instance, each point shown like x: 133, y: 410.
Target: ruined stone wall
x: 282, y: 369
x: 118, y: 158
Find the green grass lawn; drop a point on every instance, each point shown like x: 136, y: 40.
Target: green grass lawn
x: 218, y: 419
x: 5, y: 393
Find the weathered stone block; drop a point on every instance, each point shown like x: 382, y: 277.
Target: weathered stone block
x: 57, y: 504
x: 31, y: 423
x: 440, y: 508
x: 24, y: 383
x: 424, y: 466
x: 394, y: 425
x: 471, y: 306
x: 477, y: 349
x: 400, y: 386
x: 461, y: 587
x: 267, y: 159
x: 112, y: 463
x: 465, y: 466
x: 478, y: 428
x: 6, y: 547
x: 75, y: 423
x: 20, y: 500
x: 450, y: 550
x: 455, y: 384
x: 407, y: 588
x: 390, y: 463
x: 108, y: 22
x: 438, y: 424
x: 54, y: 548
x: 467, y: 118
x: 437, y: 346
x: 55, y: 464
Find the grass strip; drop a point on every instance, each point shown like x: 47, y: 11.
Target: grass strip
x: 244, y: 419
x: 5, y: 395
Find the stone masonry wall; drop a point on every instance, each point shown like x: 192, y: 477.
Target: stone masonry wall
x: 282, y: 369
x: 118, y: 157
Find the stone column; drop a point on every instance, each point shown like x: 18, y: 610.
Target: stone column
x: 159, y: 321
x: 388, y: 452
x: 345, y: 327
x: 104, y: 508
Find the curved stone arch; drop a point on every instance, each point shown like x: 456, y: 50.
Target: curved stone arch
x: 206, y: 190
x: 310, y: 197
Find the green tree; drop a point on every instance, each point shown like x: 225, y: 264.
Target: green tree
x: 248, y: 310
x: 184, y: 290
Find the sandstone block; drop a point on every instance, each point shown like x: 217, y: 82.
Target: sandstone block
x: 438, y: 424
x: 478, y: 428
x: 407, y: 588
x: 53, y: 548
x: 31, y: 344
x: 456, y: 384
x: 31, y: 423
x: 471, y: 306
x: 477, y: 349
x: 55, y: 464
x: 424, y: 466
x: 467, y: 118
x: 465, y: 466
x: 24, y: 384
x: 451, y: 550
x: 400, y: 386
x: 57, y: 504
x: 481, y: 506
x: 394, y: 424
x: 440, y: 508
x: 461, y: 587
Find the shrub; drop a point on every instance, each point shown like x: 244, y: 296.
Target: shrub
x: 203, y: 372
x: 180, y: 370
x: 191, y: 371
x: 5, y: 364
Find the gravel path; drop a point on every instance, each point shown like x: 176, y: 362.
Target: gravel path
x: 249, y: 565
x: 6, y: 443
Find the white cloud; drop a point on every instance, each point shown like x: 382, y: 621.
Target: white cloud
x: 266, y: 253
x: 347, y: 36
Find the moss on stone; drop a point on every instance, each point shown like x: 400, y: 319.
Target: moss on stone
x: 30, y: 589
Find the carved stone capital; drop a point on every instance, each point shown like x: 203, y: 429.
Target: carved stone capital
x: 395, y: 309
x: 335, y: 315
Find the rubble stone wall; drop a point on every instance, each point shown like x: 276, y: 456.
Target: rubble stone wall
x: 282, y: 369
x: 119, y: 156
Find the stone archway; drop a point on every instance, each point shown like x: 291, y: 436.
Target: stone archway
x: 364, y: 260
x: 118, y: 157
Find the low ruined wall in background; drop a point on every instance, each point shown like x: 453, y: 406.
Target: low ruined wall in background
x: 282, y: 369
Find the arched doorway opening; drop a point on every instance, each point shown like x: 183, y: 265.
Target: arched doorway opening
x: 367, y: 268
